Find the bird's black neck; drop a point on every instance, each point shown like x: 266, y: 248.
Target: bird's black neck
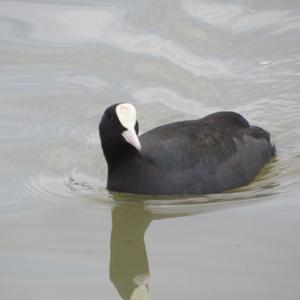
x: 116, y: 156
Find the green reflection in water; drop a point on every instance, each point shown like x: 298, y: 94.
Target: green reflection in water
x: 129, y: 267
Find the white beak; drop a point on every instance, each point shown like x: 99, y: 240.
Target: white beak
x: 131, y: 138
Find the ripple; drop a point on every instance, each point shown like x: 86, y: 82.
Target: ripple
x: 240, y: 18
x: 45, y: 77
x: 80, y: 184
x: 79, y: 188
x: 170, y: 99
x: 71, y: 26
x: 61, y: 23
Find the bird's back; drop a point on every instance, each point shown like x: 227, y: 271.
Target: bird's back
x: 218, y: 152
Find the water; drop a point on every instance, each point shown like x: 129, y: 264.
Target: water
x: 62, y: 235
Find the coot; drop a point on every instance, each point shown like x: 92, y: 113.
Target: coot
x: 218, y: 152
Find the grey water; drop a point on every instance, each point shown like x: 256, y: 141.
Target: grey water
x: 62, y: 234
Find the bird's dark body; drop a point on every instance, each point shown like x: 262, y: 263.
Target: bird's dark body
x: 218, y: 152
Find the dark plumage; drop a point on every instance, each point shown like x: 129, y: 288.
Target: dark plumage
x: 218, y: 152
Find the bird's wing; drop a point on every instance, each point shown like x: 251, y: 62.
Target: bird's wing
x: 187, y: 144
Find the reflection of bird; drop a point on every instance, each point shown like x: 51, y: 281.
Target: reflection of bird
x: 129, y: 268
x: 141, y: 291
x: 216, y: 153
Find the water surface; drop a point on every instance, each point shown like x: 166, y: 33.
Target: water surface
x: 62, y: 235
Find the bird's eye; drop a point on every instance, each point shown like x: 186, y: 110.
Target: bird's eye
x: 112, y: 118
